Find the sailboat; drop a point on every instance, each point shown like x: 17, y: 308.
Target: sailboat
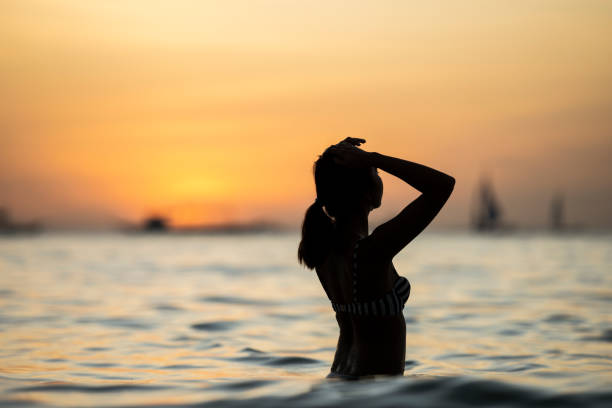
x: 558, y: 223
x: 488, y: 213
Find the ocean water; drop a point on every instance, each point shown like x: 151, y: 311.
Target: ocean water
x: 165, y: 320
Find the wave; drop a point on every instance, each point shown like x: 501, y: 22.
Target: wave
x: 237, y: 300
x: 383, y: 392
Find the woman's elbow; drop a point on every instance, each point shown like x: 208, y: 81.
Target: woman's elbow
x: 451, y: 183
x: 448, y: 185
x: 442, y: 189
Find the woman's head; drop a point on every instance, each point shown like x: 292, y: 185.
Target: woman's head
x: 341, y: 192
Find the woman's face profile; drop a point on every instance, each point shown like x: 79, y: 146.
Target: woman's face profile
x: 377, y: 189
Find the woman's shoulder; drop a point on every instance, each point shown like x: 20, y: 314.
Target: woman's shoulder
x: 368, y: 249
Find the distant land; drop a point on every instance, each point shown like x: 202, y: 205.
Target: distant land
x: 158, y: 224
x: 8, y: 226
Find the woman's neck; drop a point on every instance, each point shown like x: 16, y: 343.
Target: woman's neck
x: 352, y: 225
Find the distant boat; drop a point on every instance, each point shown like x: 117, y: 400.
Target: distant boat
x: 155, y: 224
x: 488, y: 213
x: 558, y: 223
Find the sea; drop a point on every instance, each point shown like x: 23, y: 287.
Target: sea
x: 232, y: 320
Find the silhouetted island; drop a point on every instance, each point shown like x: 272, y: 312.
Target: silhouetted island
x: 159, y: 224
x: 7, y: 226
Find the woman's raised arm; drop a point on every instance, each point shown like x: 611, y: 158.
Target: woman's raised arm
x: 436, y: 187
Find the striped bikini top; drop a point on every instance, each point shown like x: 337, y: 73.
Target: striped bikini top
x: 391, y: 303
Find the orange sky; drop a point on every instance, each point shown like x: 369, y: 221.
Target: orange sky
x: 212, y: 111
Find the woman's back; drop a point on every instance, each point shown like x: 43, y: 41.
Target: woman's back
x: 368, y: 344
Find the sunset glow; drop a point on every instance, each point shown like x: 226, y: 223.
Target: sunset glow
x: 210, y: 112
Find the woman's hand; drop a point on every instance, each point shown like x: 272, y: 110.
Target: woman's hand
x: 353, y: 140
x: 346, y: 153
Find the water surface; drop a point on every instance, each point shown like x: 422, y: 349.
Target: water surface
x: 140, y: 320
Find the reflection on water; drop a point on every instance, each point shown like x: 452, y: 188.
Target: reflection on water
x: 138, y: 320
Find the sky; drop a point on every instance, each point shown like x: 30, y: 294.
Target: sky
x: 211, y: 112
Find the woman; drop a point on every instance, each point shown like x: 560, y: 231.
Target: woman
x: 355, y: 268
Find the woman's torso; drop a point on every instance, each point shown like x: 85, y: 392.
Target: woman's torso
x: 367, y: 344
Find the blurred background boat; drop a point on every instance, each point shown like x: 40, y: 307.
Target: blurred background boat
x: 487, y: 213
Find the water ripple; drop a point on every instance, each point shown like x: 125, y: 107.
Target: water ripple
x: 88, y: 388
x: 237, y: 300
x: 123, y: 322
x: 214, y: 326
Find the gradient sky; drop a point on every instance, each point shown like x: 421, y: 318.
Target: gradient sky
x: 213, y: 111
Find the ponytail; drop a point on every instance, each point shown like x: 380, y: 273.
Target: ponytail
x: 317, y: 231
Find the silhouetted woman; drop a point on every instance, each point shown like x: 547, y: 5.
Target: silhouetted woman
x: 355, y: 268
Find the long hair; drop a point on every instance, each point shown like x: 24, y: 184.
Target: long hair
x: 338, y: 190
